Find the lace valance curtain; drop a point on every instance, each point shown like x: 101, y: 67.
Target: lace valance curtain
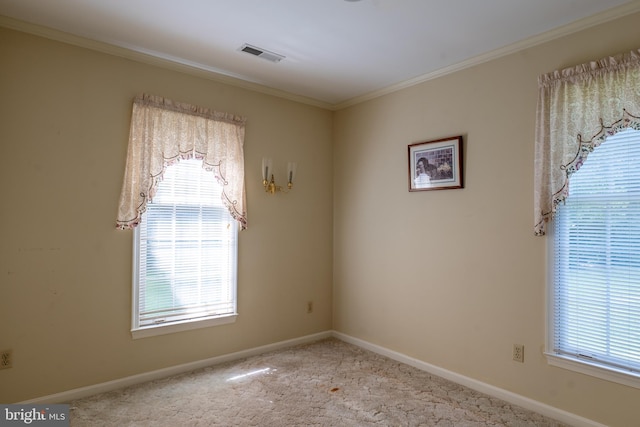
x: 577, y: 109
x: 162, y: 132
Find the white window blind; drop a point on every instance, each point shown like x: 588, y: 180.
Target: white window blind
x: 186, y: 249
x: 596, y: 275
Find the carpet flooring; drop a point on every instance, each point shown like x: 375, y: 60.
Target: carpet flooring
x: 326, y: 383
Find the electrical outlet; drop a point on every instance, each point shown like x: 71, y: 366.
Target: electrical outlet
x: 6, y: 359
x: 518, y: 353
x: 310, y: 307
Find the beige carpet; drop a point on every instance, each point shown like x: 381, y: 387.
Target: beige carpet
x: 327, y: 383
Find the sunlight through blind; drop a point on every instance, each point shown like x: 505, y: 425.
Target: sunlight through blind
x: 187, y: 250
x: 596, y: 307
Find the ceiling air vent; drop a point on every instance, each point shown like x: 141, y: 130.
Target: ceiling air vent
x: 261, y: 53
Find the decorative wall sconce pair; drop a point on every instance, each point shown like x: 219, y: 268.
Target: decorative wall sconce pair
x: 267, y: 177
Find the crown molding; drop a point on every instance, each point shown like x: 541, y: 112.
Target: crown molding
x: 574, y: 27
x: 181, y: 65
x: 156, y: 59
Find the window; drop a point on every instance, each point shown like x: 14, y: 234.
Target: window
x: 595, y: 289
x: 185, y: 252
x: 185, y: 215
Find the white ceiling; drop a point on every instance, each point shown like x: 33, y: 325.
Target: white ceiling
x: 336, y: 51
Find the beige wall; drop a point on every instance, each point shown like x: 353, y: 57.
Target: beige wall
x: 65, y: 281
x: 456, y: 277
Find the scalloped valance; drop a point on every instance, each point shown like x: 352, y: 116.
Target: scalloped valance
x: 162, y: 132
x: 578, y: 108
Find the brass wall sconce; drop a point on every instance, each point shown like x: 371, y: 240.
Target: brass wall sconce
x: 267, y: 177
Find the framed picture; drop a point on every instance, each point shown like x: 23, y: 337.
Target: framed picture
x: 436, y: 165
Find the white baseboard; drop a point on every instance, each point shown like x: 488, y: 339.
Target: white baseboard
x: 78, y: 393
x: 507, y: 396
x: 513, y: 398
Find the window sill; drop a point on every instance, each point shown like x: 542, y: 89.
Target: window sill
x: 150, y: 331
x: 584, y: 367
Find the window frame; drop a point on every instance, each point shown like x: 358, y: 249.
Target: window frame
x: 573, y: 363
x: 138, y: 331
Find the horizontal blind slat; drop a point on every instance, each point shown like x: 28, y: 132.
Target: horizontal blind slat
x: 597, y: 258
x: 187, y: 242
